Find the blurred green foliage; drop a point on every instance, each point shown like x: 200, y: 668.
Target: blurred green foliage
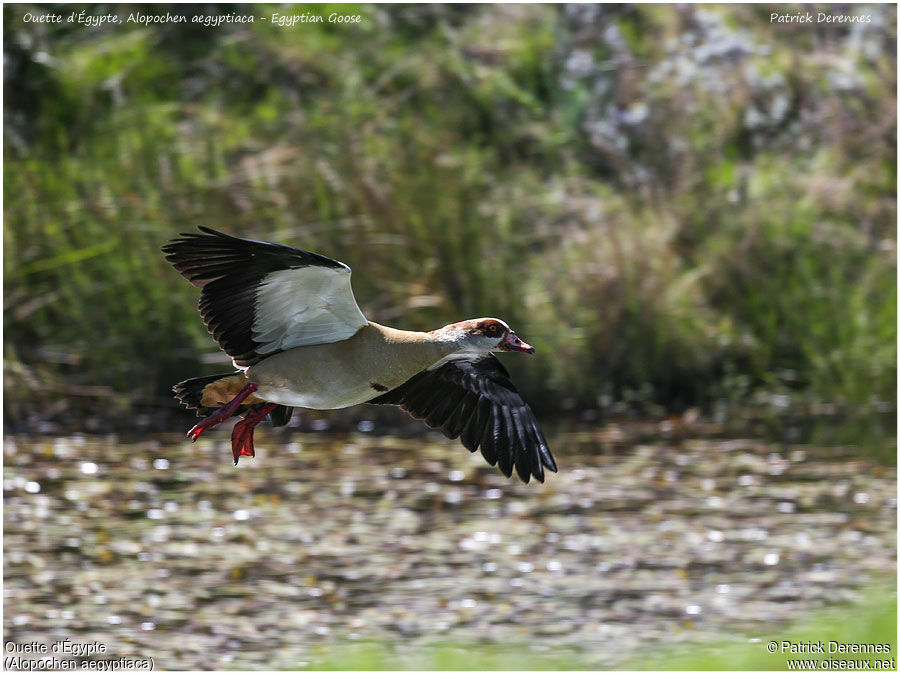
x: 678, y: 205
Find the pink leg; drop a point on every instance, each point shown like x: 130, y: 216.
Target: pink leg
x: 222, y: 414
x: 242, y: 435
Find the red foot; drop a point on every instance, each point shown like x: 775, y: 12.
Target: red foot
x: 222, y: 413
x: 242, y: 435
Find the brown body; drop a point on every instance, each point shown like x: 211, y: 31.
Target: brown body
x: 331, y: 376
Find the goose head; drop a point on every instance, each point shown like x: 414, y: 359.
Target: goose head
x: 482, y: 335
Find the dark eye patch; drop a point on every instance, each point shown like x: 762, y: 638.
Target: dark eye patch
x: 490, y: 329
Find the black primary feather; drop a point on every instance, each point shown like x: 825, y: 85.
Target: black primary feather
x: 229, y: 270
x: 475, y: 401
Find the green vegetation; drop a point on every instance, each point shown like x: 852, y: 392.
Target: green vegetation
x: 678, y: 206
x: 871, y: 622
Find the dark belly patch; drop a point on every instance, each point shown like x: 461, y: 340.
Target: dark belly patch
x: 378, y: 387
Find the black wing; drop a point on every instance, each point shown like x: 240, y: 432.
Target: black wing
x: 260, y: 298
x: 475, y: 401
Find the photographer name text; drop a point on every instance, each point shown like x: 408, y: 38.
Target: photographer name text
x: 820, y: 17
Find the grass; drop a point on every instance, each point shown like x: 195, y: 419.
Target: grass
x: 874, y: 621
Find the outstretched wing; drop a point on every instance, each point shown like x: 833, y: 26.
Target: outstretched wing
x: 260, y: 298
x: 475, y: 401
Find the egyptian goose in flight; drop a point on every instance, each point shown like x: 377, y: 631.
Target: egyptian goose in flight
x: 289, y: 320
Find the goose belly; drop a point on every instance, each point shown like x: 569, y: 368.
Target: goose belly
x: 322, y: 398
x: 332, y: 376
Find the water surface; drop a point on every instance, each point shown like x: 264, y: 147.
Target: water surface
x: 163, y: 548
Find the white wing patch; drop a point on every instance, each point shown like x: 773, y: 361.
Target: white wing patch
x: 305, y: 306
